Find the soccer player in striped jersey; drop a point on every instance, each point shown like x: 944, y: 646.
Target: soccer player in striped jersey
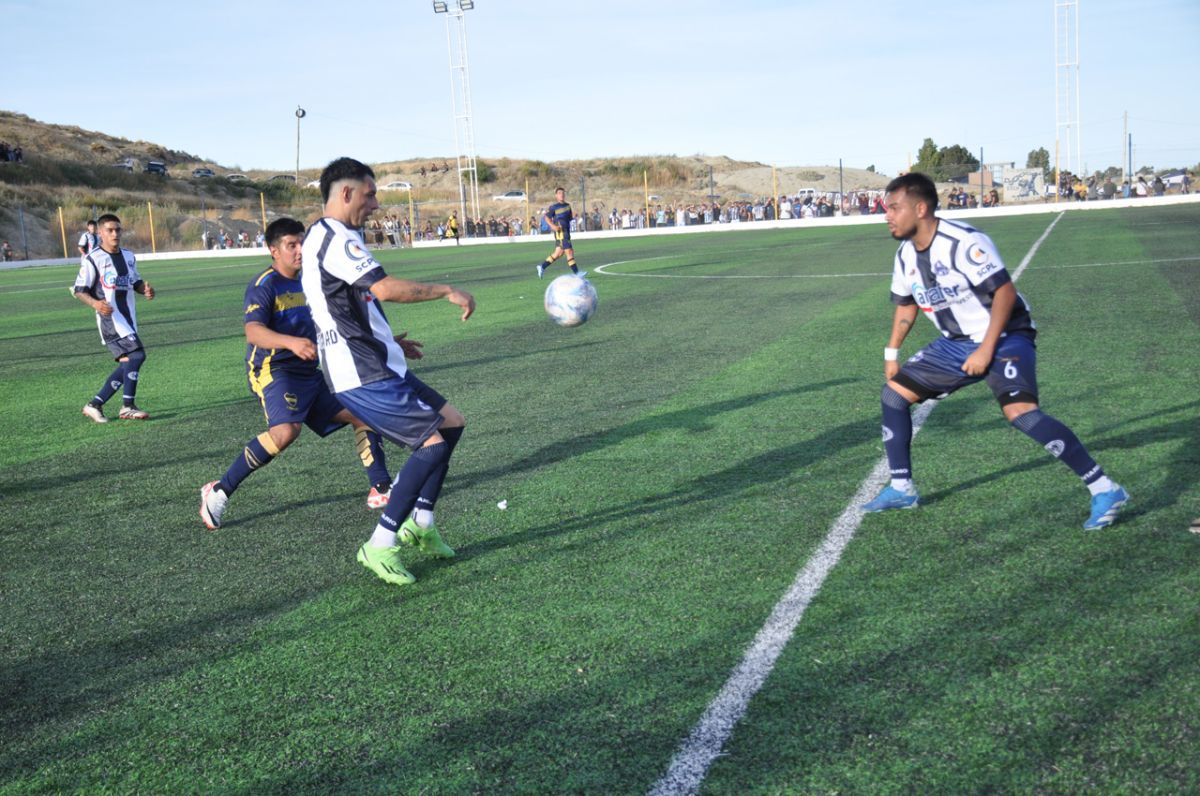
x: 366, y: 368
x: 953, y: 273
x: 281, y: 366
x: 558, y: 217
x: 107, y: 280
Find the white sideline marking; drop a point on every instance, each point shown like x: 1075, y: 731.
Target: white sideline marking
x: 687, y: 769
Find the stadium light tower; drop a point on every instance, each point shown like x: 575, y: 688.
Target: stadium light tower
x: 300, y: 114
x: 1066, y: 86
x: 460, y: 104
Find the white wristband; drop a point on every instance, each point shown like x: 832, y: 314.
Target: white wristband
x: 891, y: 354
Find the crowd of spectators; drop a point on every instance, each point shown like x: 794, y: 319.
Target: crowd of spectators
x: 1095, y: 188
x: 11, y: 154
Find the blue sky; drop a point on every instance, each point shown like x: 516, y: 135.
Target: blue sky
x: 784, y: 83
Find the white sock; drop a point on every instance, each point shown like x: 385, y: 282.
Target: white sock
x: 423, y: 518
x: 902, y: 484
x: 382, y: 537
x: 1101, y: 485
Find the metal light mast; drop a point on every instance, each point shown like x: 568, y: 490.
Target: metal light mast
x: 1066, y: 86
x: 460, y: 101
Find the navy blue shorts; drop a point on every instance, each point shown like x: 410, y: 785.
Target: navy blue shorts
x: 937, y: 369
x: 297, y: 397
x: 123, y: 346
x: 562, y: 239
x: 404, y: 409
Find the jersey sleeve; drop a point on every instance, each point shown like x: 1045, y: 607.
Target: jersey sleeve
x: 131, y: 264
x: 901, y: 290
x: 980, y: 262
x: 259, y: 305
x: 349, y: 261
x: 85, y: 280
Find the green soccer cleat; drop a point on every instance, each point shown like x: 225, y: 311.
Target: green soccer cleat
x: 428, y: 539
x: 385, y: 562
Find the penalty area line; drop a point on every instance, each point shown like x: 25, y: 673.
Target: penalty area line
x: 703, y: 745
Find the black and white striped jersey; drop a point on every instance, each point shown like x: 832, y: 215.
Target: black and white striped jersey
x: 111, y: 277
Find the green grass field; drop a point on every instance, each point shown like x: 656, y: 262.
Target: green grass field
x: 669, y: 467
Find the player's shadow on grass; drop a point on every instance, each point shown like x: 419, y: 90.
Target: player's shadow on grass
x: 1146, y: 497
x: 716, y: 488
x: 694, y: 419
x: 439, y: 365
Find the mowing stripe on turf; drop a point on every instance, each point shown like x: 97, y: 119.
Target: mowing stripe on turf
x: 687, y: 769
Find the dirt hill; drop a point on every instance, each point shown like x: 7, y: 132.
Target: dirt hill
x: 75, y: 169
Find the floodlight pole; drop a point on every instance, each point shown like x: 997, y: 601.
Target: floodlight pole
x: 1066, y: 83
x: 460, y: 105
x: 299, y: 115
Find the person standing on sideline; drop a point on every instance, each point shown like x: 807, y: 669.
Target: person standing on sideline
x: 954, y: 274
x: 281, y: 366
x: 558, y: 218
x: 107, y: 279
x: 88, y: 240
x: 451, y: 230
x: 365, y: 366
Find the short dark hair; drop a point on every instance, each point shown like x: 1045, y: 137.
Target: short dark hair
x: 107, y: 217
x: 91, y: 222
x: 560, y: 188
x: 916, y: 185
x: 343, y: 169
x: 282, y: 227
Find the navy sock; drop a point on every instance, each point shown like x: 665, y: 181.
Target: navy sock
x: 130, y: 379
x: 432, y: 487
x: 1060, y: 442
x: 370, y: 451
x: 258, y: 453
x: 111, y: 385
x: 409, y: 480
x: 897, y: 433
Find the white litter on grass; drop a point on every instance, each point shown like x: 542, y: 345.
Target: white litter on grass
x: 502, y: 505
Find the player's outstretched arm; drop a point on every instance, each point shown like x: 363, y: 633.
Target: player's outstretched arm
x: 99, y: 305
x: 405, y: 291
x: 263, y: 336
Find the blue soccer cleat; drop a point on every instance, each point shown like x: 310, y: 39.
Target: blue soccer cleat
x: 1105, y: 508
x: 892, y: 498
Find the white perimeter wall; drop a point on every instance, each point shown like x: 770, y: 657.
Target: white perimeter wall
x: 746, y: 226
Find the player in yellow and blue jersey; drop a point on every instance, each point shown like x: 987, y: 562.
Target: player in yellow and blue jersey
x: 558, y: 217
x: 281, y: 365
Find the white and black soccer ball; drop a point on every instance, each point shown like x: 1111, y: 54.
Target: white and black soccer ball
x: 570, y: 300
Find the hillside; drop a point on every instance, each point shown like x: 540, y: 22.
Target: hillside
x: 74, y: 169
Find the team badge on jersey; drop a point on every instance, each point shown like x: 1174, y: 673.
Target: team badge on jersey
x: 355, y: 252
x: 940, y: 268
x: 291, y: 400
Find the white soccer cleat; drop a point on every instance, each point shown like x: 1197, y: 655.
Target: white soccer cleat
x: 94, y: 413
x: 212, y: 505
x: 133, y: 413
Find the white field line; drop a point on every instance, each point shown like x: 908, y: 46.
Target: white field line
x: 703, y: 745
x: 600, y: 269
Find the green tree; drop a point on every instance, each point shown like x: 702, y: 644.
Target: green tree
x: 1040, y: 159
x: 955, y: 161
x: 928, y: 158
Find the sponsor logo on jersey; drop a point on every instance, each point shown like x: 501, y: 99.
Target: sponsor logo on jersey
x: 355, y: 252
x: 252, y: 308
x: 287, y: 301
x: 977, y: 254
x: 111, y: 281
x: 936, y: 297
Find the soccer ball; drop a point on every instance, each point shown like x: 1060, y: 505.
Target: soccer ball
x: 570, y: 300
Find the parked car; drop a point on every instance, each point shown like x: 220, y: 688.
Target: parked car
x: 398, y: 185
x: 237, y: 178
x: 156, y: 167
x: 313, y: 184
x: 203, y: 172
x: 125, y: 164
x: 510, y: 196
x: 284, y: 178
